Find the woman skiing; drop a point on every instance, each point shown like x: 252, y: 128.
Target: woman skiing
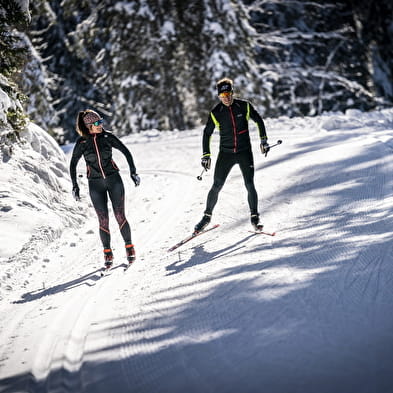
x: 95, y: 144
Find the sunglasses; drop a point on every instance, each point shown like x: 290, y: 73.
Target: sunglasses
x: 97, y: 123
x: 225, y: 94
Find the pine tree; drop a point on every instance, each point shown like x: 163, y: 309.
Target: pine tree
x: 12, y: 58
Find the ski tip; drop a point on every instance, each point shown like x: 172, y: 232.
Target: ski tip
x: 129, y: 264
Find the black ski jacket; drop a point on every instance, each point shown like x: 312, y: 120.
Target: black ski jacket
x: 97, y: 151
x: 232, y: 123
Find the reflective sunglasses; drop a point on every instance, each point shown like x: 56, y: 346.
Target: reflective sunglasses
x: 225, y: 94
x: 97, y: 123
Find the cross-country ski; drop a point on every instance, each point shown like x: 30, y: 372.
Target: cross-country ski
x: 263, y: 233
x: 192, y: 236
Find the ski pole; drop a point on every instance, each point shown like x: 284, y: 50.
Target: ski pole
x: 276, y: 144
x: 200, y: 176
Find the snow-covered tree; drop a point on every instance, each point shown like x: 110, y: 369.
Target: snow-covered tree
x: 153, y: 63
x: 309, y: 58
x: 12, y: 58
x: 145, y: 64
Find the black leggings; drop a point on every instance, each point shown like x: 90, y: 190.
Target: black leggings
x: 225, y: 162
x: 99, y: 190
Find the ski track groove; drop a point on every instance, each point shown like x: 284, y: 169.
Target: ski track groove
x: 51, y: 350
x: 361, y: 291
x: 66, y: 352
x: 125, y: 312
x: 146, y: 261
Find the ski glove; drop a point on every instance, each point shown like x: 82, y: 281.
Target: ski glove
x: 75, y: 193
x: 136, y: 179
x: 265, y: 148
x: 206, y: 162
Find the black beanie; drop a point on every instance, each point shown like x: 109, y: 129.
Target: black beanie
x: 224, y: 86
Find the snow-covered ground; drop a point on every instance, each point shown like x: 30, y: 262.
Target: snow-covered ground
x: 309, y: 310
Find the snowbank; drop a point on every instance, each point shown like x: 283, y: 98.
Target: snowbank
x: 35, y: 201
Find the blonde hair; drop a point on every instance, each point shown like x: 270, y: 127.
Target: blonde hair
x: 226, y: 80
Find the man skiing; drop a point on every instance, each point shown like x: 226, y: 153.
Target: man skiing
x: 231, y: 118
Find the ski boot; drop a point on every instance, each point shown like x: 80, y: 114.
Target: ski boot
x: 130, y: 252
x: 108, y: 257
x: 203, y: 223
x: 255, y: 223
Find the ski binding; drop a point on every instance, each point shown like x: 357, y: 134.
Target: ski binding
x: 262, y: 232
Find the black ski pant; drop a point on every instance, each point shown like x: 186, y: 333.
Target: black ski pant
x: 113, y: 187
x: 225, y: 162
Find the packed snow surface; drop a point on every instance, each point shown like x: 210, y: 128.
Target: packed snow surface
x: 308, y: 310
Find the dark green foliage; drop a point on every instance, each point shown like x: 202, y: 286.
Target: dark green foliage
x: 12, y: 56
x: 17, y: 118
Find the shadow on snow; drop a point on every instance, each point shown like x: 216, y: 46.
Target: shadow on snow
x: 311, y: 314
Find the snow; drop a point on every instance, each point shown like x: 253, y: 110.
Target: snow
x: 35, y: 192
x: 122, y: 6
x: 168, y: 30
x: 6, y: 103
x: 308, y: 310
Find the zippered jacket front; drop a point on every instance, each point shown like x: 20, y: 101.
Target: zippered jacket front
x: 232, y: 123
x: 97, y: 152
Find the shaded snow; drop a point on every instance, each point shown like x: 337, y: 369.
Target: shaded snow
x: 308, y: 310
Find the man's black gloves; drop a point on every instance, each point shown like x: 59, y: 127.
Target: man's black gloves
x: 265, y: 147
x: 206, y: 162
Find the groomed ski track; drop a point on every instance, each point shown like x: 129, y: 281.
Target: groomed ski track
x: 309, y: 310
